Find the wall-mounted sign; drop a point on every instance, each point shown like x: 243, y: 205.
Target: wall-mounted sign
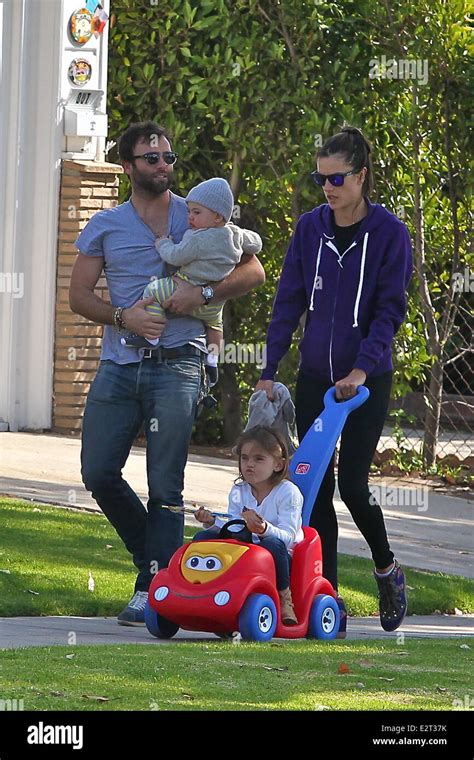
x: 79, y: 71
x: 81, y: 26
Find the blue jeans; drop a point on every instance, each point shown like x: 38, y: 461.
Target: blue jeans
x: 275, y: 546
x: 163, y: 395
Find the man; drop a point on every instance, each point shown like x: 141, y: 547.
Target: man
x: 132, y: 386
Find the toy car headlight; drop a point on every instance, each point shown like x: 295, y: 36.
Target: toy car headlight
x: 221, y: 598
x: 161, y: 593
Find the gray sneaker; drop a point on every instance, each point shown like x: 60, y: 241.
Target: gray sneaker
x: 134, y: 612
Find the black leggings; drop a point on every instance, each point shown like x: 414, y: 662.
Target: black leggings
x: 358, y: 444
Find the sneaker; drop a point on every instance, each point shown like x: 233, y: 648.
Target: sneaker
x: 342, y: 632
x: 134, y: 612
x: 137, y: 341
x: 392, y: 598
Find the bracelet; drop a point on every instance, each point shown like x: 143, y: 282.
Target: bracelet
x: 118, y: 320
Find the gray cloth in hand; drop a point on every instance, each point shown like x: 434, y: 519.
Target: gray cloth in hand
x: 278, y: 414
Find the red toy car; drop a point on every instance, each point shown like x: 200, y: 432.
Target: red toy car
x: 226, y: 585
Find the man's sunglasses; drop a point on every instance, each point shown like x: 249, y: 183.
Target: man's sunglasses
x: 169, y: 157
x: 335, y: 179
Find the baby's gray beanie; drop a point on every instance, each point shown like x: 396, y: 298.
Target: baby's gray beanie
x: 214, y: 194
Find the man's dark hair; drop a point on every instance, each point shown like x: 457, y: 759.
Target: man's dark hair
x: 146, y: 130
x: 356, y: 150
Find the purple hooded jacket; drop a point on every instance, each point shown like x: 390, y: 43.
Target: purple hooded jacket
x: 355, y: 302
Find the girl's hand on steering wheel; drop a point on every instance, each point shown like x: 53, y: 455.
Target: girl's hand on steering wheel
x: 254, y: 522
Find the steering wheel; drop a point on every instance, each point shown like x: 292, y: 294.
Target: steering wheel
x: 239, y: 535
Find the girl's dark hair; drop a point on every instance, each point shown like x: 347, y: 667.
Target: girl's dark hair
x: 356, y: 151
x: 146, y: 130
x: 272, y: 442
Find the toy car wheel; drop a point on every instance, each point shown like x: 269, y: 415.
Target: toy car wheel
x: 324, y: 618
x: 258, y: 618
x: 157, y: 625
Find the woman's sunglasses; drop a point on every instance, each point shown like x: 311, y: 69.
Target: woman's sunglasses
x: 335, y: 179
x: 169, y: 157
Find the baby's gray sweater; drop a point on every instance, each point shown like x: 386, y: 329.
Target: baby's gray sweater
x: 210, y: 254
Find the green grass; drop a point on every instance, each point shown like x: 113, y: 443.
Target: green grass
x: 50, y: 551
x: 302, y: 675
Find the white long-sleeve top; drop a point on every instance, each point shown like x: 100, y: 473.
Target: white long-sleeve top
x: 281, y: 510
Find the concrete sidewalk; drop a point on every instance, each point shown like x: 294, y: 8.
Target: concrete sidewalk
x: 48, y: 631
x: 427, y: 530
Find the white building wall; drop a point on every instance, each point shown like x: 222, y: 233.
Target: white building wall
x: 30, y: 154
x: 31, y: 140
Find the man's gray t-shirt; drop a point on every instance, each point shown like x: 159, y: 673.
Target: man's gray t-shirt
x: 127, y: 246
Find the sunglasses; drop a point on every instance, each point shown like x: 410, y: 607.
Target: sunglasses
x: 335, y: 179
x: 169, y: 157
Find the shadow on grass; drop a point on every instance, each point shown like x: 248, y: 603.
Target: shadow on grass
x: 52, y: 552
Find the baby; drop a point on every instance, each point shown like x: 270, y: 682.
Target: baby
x: 207, y: 253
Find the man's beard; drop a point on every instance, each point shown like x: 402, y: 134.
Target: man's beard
x: 151, y: 186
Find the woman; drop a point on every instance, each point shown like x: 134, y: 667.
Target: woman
x: 348, y: 266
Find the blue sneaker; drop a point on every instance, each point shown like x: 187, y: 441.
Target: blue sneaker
x: 342, y: 632
x: 392, y: 598
x: 134, y: 612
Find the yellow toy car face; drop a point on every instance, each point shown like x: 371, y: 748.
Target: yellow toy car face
x: 204, y: 561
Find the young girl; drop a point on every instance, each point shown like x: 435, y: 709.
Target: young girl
x: 348, y: 267
x: 269, y: 503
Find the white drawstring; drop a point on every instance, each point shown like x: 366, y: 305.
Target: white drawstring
x: 361, y: 281
x: 311, y: 306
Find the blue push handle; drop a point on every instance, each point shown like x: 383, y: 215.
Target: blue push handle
x: 360, y: 398
x: 310, y: 461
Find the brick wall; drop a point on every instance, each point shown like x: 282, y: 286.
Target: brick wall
x: 86, y: 187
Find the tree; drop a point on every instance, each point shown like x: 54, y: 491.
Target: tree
x: 430, y: 139
x: 245, y: 91
x: 250, y: 89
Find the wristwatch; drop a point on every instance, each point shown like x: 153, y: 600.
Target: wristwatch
x: 207, y: 293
